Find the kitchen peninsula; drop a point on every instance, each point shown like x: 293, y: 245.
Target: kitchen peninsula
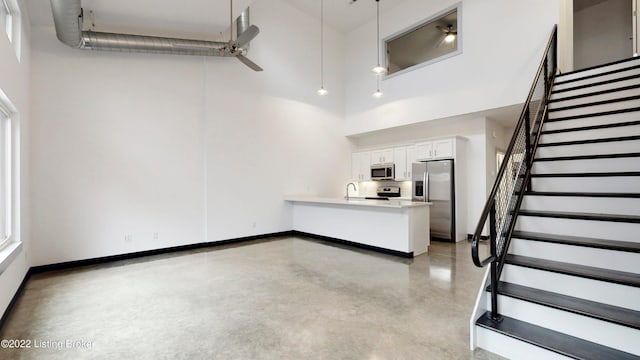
x: 399, y: 227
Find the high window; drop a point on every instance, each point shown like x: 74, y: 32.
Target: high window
x: 5, y: 176
x: 6, y: 18
x: 431, y: 40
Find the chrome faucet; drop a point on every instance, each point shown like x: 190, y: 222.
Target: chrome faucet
x: 354, y: 189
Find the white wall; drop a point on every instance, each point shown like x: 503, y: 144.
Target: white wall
x: 14, y: 83
x: 502, y: 44
x: 189, y: 148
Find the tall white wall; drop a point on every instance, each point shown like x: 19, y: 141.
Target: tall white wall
x: 502, y: 44
x: 191, y: 149
x: 14, y: 83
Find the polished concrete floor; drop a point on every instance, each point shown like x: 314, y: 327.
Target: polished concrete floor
x: 284, y: 298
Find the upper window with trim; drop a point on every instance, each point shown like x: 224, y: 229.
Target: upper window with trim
x: 431, y: 40
x: 6, y: 18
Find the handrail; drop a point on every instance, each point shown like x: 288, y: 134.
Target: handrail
x: 514, y: 175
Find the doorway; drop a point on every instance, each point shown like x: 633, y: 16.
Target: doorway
x: 603, y: 31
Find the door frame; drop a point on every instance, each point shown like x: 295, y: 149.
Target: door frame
x: 565, y: 34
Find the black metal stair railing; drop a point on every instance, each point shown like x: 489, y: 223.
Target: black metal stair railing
x: 513, y: 178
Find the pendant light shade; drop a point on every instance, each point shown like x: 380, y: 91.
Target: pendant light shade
x: 378, y: 69
x: 322, y: 91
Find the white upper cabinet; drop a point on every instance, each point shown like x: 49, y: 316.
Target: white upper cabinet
x: 437, y: 149
x: 384, y: 156
x: 361, y: 166
x: 404, y: 157
x: 443, y: 149
x: 424, y: 151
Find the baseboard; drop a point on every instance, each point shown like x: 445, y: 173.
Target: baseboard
x: 407, y: 255
x: 107, y: 259
x: 14, y: 300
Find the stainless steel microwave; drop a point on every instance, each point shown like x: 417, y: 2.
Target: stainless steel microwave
x: 383, y: 172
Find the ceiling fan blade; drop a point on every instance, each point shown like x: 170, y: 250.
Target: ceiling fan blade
x: 247, y: 36
x: 249, y: 63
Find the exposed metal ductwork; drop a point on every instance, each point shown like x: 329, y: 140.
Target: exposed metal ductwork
x: 68, y: 17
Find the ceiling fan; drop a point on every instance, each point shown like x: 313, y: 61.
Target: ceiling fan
x: 234, y: 47
x: 449, y: 34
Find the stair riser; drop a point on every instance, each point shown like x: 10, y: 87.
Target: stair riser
x: 594, y: 120
x: 594, y: 290
x: 619, y: 105
x: 619, y: 131
x: 599, y: 70
x: 613, y: 147
x: 595, y: 205
x: 595, y: 98
x: 511, y: 348
x: 618, y: 75
x: 584, y: 228
x: 587, y: 166
x: 607, y: 259
x: 587, y: 184
x: 594, y: 330
x: 593, y: 89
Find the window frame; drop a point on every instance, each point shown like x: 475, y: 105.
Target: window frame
x: 6, y: 173
x: 454, y: 8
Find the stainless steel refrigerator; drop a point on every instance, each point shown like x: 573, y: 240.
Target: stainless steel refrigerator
x: 433, y: 181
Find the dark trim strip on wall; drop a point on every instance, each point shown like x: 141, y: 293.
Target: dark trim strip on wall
x: 14, y: 299
x: 402, y: 254
x: 140, y: 254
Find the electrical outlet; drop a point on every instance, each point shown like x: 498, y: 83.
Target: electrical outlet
x: 128, y: 238
x: 253, y: 225
x: 155, y: 236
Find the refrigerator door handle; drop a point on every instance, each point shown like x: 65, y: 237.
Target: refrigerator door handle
x: 426, y: 186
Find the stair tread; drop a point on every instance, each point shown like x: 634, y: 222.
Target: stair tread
x: 600, y: 66
x: 595, y: 103
x: 581, y: 215
x: 628, y: 246
x: 590, y: 141
x: 582, y: 116
x: 590, y: 272
x: 597, y: 83
x: 589, y: 174
x: 594, y: 93
x: 592, y: 127
x: 583, y: 194
x: 552, y: 340
x: 596, y: 310
x: 588, y: 157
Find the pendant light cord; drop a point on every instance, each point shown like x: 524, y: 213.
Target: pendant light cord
x: 322, y: 44
x: 378, y: 30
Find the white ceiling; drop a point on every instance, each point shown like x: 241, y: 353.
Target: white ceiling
x: 197, y: 18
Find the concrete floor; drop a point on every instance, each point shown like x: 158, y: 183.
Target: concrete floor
x: 285, y: 298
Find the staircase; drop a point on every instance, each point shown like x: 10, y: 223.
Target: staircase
x: 570, y: 283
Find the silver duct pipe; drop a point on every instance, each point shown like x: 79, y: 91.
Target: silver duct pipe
x: 67, y: 16
x: 242, y: 24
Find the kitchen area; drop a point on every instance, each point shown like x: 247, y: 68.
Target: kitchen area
x: 399, y: 199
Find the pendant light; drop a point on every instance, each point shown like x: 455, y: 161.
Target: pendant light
x: 322, y: 91
x: 378, y: 70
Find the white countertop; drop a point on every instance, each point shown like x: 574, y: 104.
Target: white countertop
x: 398, y: 204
